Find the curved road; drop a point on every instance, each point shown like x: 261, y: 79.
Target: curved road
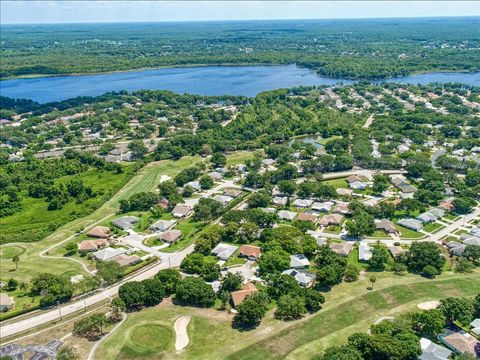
x: 167, y: 260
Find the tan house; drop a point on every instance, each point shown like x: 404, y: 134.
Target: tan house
x: 250, y: 252
x: 181, y: 211
x: 240, y: 295
x: 92, y: 245
x: 332, y: 219
x: 232, y: 192
x: 6, y: 302
x: 307, y: 217
x: 343, y: 248
x: 126, y: 260
x: 102, y: 232
x: 171, y: 236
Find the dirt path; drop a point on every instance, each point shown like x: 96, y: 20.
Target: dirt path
x: 368, y: 122
x: 180, y: 327
x: 428, y: 305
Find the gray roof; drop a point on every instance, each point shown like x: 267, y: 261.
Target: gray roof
x: 304, y: 278
x: 410, y: 224
x: 224, y: 251
x: 108, y: 253
x: 163, y: 225
x: 299, y: 261
x: 125, y: 222
x: 432, y: 351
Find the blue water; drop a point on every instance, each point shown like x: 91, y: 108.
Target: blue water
x: 209, y: 80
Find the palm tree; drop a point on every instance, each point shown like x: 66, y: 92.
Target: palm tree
x: 16, y: 259
x: 372, y: 280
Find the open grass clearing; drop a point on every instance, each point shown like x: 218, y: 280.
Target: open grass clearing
x: 349, y: 308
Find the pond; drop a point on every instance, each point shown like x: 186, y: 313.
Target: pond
x: 202, y: 80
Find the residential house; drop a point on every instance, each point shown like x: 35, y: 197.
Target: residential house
x: 299, y: 261
x: 437, y: 212
x: 269, y: 210
x: 473, y: 240
x: 332, y: 219
x: 240, y: 295
x: 195, y: 185
x: 307, y: 217
x: 426, y: 217
x: 456, y: 248
x: 432, y: 351
x: 303, y: 278
x: 171, y: 236
x: 461, y: 342
x: 322, y: 206
x: 126, y: 260
x: 6, y: 302
x: 364, y: 252
x: 164, y: 203
x: 222, y: 199
x: 411, y: 224
x: 287, y: 215
x: 163, y: 225
x: 385, y: 225
x: 250, y: 252
x: 341, y: 208
x: 358, y: 185
x: 101, y: 232
x: 447, y: 206
x: 181, y: 211
x: 395, y: 250
x: 280, y: 200
x: 92, y: 245
x: 232, y: 192
x: 268, y: 162
x: 108, y: 253
x: 342, y: 248
x: 475, y: 324
x: 125, y: 222
x: 215, y: 176
x: 344, y: 192
x: 302, y: 203
x: 224, y: 251
x: 353, y: 178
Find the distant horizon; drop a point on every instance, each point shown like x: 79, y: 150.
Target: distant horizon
x: 20, y: 12
x: 246, y: 20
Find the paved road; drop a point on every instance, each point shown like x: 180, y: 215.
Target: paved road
x: 167, y: 260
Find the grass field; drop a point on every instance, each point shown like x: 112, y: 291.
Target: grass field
x: 34, y: 221
x: 408, y: 234
x: 340, y: 183
x: 147, y: 179
x: 433, y: 227
x: 349, y: 308
x: 239, y: 157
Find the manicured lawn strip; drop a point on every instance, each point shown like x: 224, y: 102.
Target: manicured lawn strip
x: 337, y: 183
x: 432, y: 227
x: 408, y: 234
x: 239, y: 157
x: 347, y: 314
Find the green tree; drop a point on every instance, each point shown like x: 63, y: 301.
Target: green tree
x: 429, y: 323
x: 90, y: 327
x: 430, y: 271
x: 138, y: 149
x: 373, y: 280
x: 313, y: 300
x: 259, y: 199
x: 169, y: 278
x: 251, y: 311
x: 379, y: 259
x: 154, y: 291
x: 67, y: 353
x: 71, y: 248
x: 457, y: 309
x: 344, y: 352
x: 194, y: 291
x: 472, y: 252
x: 422, y: 254
x: 361, y: 224
x: 16, y: 259
x: 290, y: 307
x: 12, y: 284
x: 231, y: 282
x: 463, y: 205
x: 273, y: 261
x: 206, y: 182
x: 352, y: 273
x: 133, y: 294
x: 109, y: 271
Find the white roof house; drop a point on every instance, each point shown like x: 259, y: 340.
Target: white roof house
x: 299, y: 261
x: 426, y: 217
x: 287, y: 215
x: 125, y: 222
x: 222, y: 199
x: 224, y: 251
x: 358, y: 185
x: 475, y: 324
x: 364, y: 252
x: 322, y: 206
x: 269, y: 210
x: 432, y: 351
x: 302, y: 203
x: 194, y: 184
x: 163, y: 225
x: 280, y: 200
x: 411, y: 224
x: 303, y: 278
x: 108, y: 253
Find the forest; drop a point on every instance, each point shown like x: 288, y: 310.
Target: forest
x: 360, y: 49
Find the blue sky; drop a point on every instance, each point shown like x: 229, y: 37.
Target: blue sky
x: 128, y: 11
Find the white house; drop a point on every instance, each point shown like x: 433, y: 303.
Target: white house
x: 224, y: 251
x: 304, y: 278
x: 364, y: 252
x: 299, y: 261
x: 163, y: 225
x: 432, y: 351
x: 287, y: 215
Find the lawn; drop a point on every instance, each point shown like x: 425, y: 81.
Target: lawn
x: 338, y: 183
x: 433, y: 227
x: 349, y: 307
x: 239, y: 157
x: 408, y: 234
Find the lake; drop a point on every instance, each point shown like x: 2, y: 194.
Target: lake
x: 202, y: 80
